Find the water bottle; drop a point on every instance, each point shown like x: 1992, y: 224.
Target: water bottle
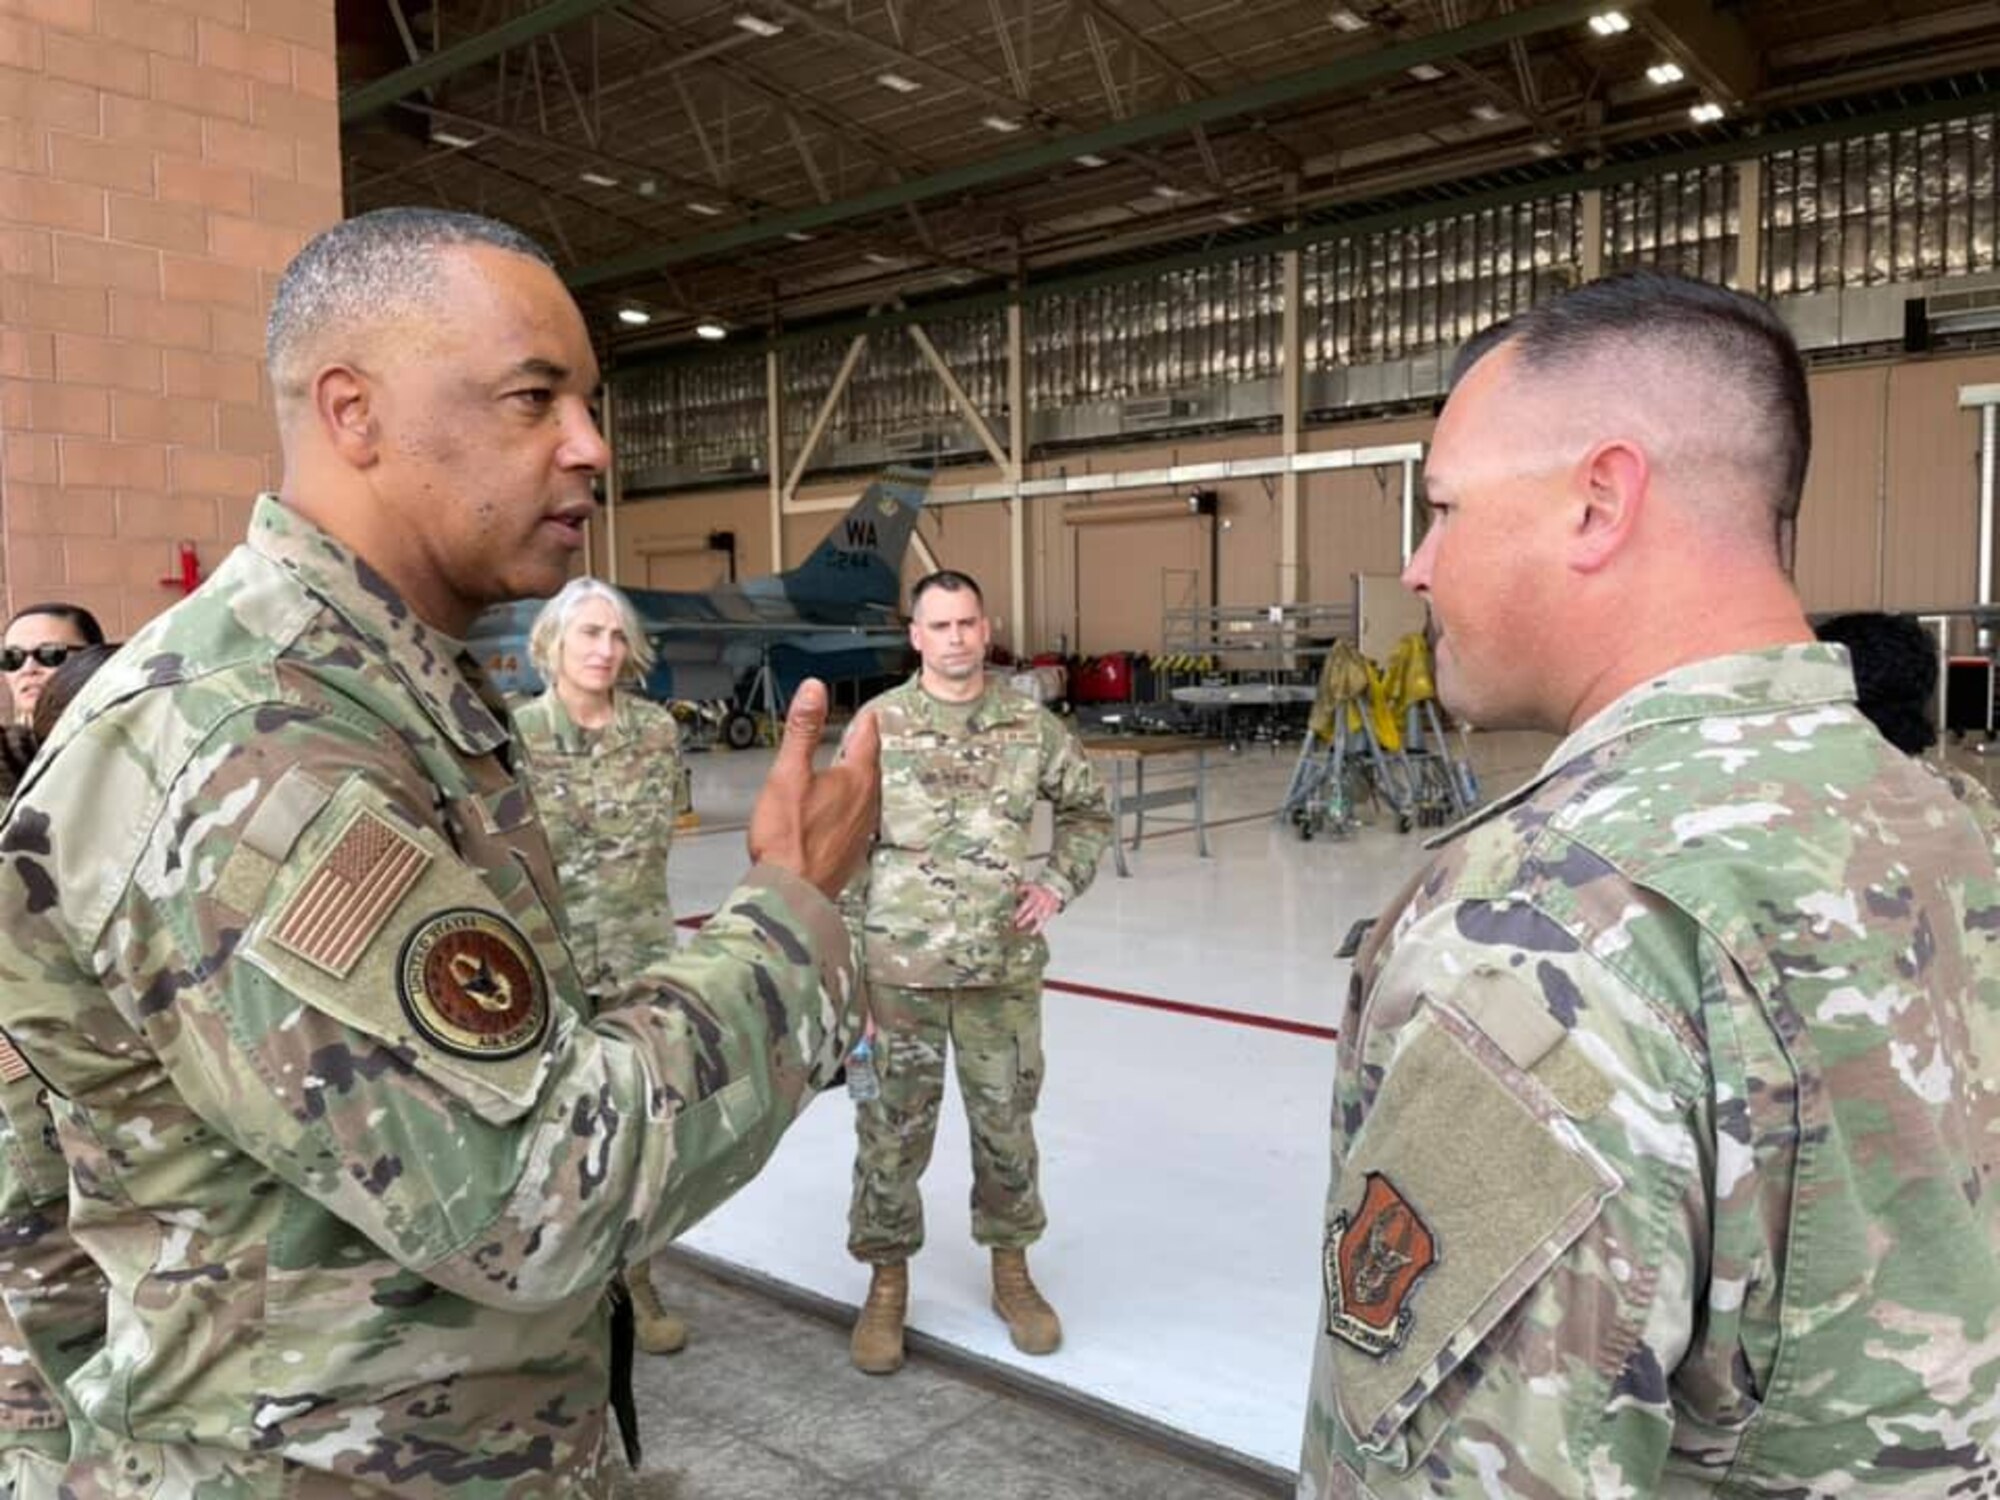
x: 863, y: 1087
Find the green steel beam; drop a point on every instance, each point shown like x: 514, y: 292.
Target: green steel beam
x: 370, y: 98
x: 1933, y: 112
x: 1346, y: 73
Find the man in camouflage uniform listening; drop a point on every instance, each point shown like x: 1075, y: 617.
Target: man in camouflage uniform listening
x: 279, y: 931
x: 951, y: 937
x: 1666, y: 1118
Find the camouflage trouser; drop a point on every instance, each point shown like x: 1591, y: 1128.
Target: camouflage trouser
x: 996, y: 1035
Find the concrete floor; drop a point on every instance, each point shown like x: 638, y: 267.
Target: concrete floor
x: 1182, y: 1128
x: 763, y: 1403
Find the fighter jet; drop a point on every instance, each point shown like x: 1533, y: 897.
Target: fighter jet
x: 836, y: 617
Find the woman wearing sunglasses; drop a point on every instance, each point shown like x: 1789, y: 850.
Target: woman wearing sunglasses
x: 39, y: 639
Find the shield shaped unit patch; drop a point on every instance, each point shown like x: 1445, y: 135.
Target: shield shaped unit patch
x: 1374, y: 1259
x: 472, y: 985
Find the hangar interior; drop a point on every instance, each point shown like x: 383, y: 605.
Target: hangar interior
x: 1057, y: 249
x: 1080, y: 258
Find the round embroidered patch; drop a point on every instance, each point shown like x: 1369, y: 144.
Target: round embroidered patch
x: 472, y: 985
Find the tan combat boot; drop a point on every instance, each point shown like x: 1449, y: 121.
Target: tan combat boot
x: 878, y: 1333
x: 655, y: 1330
x: 1030, y: 1321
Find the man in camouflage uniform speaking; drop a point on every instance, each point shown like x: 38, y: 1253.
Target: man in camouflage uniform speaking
x: 951, y: 937
x: 1666, y: 1117
x: 279, y: 932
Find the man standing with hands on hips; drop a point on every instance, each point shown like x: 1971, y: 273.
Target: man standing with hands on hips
x: 950, y: 932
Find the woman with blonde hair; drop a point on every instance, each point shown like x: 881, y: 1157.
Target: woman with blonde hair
x: 604, y: 764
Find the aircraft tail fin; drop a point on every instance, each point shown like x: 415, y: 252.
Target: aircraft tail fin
x: 860, y: 561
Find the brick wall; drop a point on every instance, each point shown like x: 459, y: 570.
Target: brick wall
x: 160, y: 161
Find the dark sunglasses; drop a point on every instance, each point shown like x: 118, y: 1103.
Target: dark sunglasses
x: 13, y: 658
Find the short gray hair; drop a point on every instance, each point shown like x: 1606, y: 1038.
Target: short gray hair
x: 367, y: 271
x: 545, y: 637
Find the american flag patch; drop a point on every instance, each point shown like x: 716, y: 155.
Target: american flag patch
x: 13, y: 1066
x: 350, y: 894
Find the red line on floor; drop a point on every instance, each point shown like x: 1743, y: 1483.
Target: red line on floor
x: 1184, y: 1008
x: 1155, y: 1002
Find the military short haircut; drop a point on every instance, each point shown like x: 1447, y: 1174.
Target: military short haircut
x: 951, y: 581
x: 1723, y: 334
x: 374, y: 268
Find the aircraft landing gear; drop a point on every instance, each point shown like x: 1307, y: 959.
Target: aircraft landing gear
x: 739, y: 730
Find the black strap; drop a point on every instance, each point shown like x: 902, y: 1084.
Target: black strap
x: 624, y: 1349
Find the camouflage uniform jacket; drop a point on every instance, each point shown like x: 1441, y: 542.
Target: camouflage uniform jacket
x: 607, y: 801
x: 51, y: 1293
x: 959, y: 786
x: 1666, y: 1127
x: 281, y: 934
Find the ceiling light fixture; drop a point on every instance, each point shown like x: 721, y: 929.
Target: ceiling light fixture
x: 1705, y: 113
x: 757, y: 25
x: 898, y: 83
x: 706, y: 210
x: 1092, y: 159
x: 1233, y: 216
x: 452, y: 139
x: 638, y: 317
x: 711, y: 330
x: 597, y: 179
x: 1665, y: 73
x: 877, y: 258
x: 1542, y: 148
x: 1168, y: 190
x: 1346, y: 20
x: 1427, y: 72
x: 798, y: 236
x: 1487, y: 112
x: 1610, y: 22
x: 1001, y: 123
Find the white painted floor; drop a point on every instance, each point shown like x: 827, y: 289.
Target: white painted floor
x: 1183, y: 1156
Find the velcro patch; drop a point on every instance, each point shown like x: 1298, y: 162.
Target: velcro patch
x: 349, y: 894
x: 13, y: 1066
x: 1373, y: 1261
x: 470, y: 982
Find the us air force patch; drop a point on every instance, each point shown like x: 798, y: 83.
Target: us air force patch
x: 1373, y: 1261
x: 472, y: 985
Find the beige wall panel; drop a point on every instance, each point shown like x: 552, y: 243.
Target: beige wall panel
x: 676, y: 520
x: 1933, y: 482
x: 1353, y: 518
x: 1250, y: 541
x: 972, y: 539
x: 1132, y: 571
x: 1836, y: 565
x: 682, y: 572
x: 1120, y: 606
x: 1353, y: 523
